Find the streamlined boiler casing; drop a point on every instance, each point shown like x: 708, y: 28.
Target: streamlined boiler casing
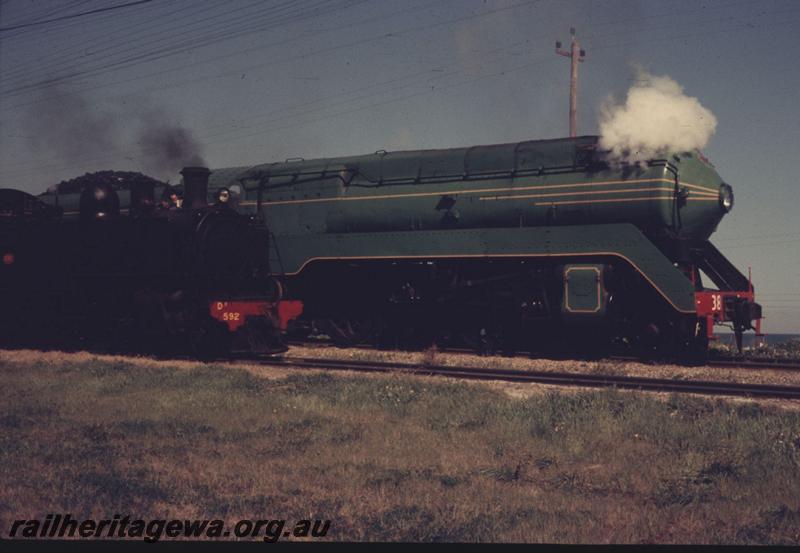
x: 537, y: 183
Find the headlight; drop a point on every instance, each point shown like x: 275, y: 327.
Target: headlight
x: 726, y: 197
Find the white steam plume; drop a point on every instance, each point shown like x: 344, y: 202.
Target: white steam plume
x: 656, y: 117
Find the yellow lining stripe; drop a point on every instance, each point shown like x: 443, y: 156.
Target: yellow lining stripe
x: 611, y: 200
x: 698, y: 187
x: 478, y: 191
x: 456, y: 192
x: 604, y: 201
x: 704, y: 194
x: 464, y: 256
x: 583, y: 193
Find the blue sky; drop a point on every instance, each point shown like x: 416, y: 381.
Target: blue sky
x: 259, y: 81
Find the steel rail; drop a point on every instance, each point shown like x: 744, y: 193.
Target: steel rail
x: 749, y: 363
x: 554, y: 378
x: 732, y: 362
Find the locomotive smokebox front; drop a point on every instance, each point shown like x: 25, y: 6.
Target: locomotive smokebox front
x: 195, y: 187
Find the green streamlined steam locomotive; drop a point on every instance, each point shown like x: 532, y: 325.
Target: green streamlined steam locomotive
x: 531, y: 244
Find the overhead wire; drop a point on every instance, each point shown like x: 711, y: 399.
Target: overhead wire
x: 365, y: 107
x: 273, y: 18
x: 173, y: 28
x: 390, y: 83
x: 350, y: 44
x: 494, y: 10
x: 72, y: 16
x: 767, y: 244
x: 757, y: 236
x: 46, y: 12
x: 56, y: 30
x: 219, y: 76
x: 146, y: 33
x: 135, y: 30
x: 39, y: 165
x: 396, y: 84
x: 143, y: 34
x: 612, y: 22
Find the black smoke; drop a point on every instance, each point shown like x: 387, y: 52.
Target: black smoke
x: 68, y: 126
x: 79, y: 131
x: 167, y: 147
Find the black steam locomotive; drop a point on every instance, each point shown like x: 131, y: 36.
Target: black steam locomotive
x: 146, y: 276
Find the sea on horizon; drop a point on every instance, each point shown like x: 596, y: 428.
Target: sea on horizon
x: 749, y: 338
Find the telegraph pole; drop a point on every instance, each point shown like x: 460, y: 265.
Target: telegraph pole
x: 576, y: 55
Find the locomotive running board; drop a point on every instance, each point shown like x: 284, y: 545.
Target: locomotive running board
x: 624, y: 241
x: 721, y: 271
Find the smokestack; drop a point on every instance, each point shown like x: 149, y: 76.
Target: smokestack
x: 195, y: 187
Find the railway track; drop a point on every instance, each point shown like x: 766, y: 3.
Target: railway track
x: 780, y: 365
x: 742, y: 363
x: 553, y: 378
x: 733, y: 363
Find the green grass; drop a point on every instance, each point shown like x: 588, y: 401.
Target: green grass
x: 395, y: 458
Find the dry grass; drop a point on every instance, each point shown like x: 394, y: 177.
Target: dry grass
x: 391, y: 458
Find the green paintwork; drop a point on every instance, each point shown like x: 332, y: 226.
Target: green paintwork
x: 551, y: 182
x: 546, y: 197
x: 622, y: 241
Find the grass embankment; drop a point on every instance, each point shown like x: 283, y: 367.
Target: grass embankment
x: 392, y: 458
